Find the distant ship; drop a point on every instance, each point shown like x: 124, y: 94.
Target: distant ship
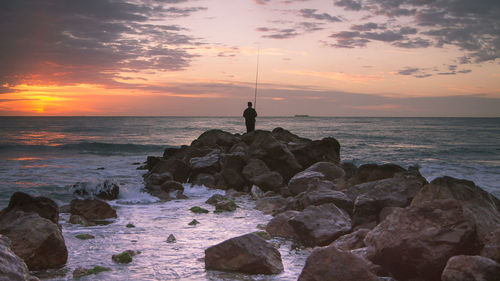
x: 301, y: 115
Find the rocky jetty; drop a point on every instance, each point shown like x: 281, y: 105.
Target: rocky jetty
x: 373, y: 222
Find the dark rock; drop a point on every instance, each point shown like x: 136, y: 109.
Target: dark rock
x: 81, y: 271
x: 269, y: 205
x: 38, y: 241
x: 12, y: 268
x: 43, y: 206
x: 107, y: 190
x: 84, y: 236
x: 170, y: 186
x: 279, y: 226
x: 208, y: 164
x: 352, y: 240
x: 325, y: 150
x: 330, y: 263
x: 214, y: 199
x: 318, y: 197
x: 491, y: 248
x: 304, y: 180
x: 416, y: 242
x: 65, y: 209
x: 330, y: 170
x: 465, y: 268
x: 373, y: 172
x: 320, y: 225
x: 288, y: 138
x: 194, y: 222
x: 177, y: 168
x: 225, y: 206
x: 123, y: 257
x: 198, y: 210
x: 157, y: 179
x: 256, y: 192
x: 204, y: 179
x: 349, y: 169
x: 247, y: 254
x: 257, y: 172
x: 171, y: 239
x: 479, y: 205
x: 392, y: 192
x: 232, y: 166
x: 216, y: 139
x: 77, y: 219
x: 151, y: 161
x: 233, y: 193
x: 386, y: 211
x: 92, y: 209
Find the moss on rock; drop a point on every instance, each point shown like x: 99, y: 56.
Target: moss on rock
x: 80, y: 272
x: 123, y: 257
x: 198, y: 210
x: 84, y: 236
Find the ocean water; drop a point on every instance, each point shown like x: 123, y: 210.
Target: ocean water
x: 48, y: 155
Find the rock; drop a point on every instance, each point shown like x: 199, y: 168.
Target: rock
x: 216, y: 139
x: 320, y: 225
x: 330, y: 263
x: 259, y: 174
x: 397, y: 191
x: 81, y: 271
x: 479, y: 205
x: 349, y: 169
x: 156, y: 179
x: 256, y: 192
x: 248, y: 253
x: 65, y: 209
x: 225, y: 206
x: 270, y: 205
x: 318, y: 197
x: 331, y: 171
x: 208, y: 164
x: 465, y: 268
x: 171, y: 185
x: 232, y: 166
x: 288, y: 138
x: 12, y: 267
x: 263, y: 234
x: 77, y: 219
x: 491, y: 248
x: 198, y: 210
x: 279, y: 226
x: 38, y: 241
x: 171, y: 239
x: 304, y: 180
x: 107, y: 190
x: 177, y: 168
x: 417, y: 241
x: 233, y: 193
x: 123, y: 257
x: 277, y: 156
x: 204, y: 179
x: 130, y: 225
x: 373, y: 172
x: 214, y: 199
x: 194, y: 222
x: 386, y: 211
x: 43, y: 206
x: 352, y: 240
x: 84, y: 236
x: 324, y: 150
x: 92, y: 209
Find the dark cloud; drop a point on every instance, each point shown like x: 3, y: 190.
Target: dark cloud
x: 409, y: 71
x: 262, y: 2
x: 424, y: 73
x: 312, y: 14
x: 276, y: 33
x: 367, y: 26
x: 349, y: 4
x: 89, y: 41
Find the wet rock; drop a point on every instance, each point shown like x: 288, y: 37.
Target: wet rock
x: 352, y: 240
x: 194, y: 222
x: 479, y: 205
x: 216, y: 139
x: 263, y: 234
x: 465, y: 268
x: 232, y: 166
x: 38, y: 241
x: 373, y: 172
x: 77, y: 219
x: 12, y: 267
x: 107, y: 190
x: 279, y: 226
x: 208, y: 164
x: 324, y: 150
x: 330, y: 263
x: 318, y: 197
x: 177, y: 168
x: 43, y: 206
x: 231, y: 193
x: 204, y: 179
x: 491, y: 247
x: 288, y: 138
x: 171, y: 239
x: 270, y: 205
x: 130, y: 225
x: 123, y: 257
x: 256, y: 192
x: 417, y: 241
x: 248, y: 253
x: 92, y: 209
x: 216, y: 198
x: 81, y: 271
x: 257, y: 172
x: 198, y: 210
x: 225, y: 206
x: 304, y: 180
x: 84, y: 236
x: 330, y: 170
x: 156, y: 179
x: 320, y: 225
x: 397, y: 191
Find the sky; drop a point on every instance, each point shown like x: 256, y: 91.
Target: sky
x: 203, y: 57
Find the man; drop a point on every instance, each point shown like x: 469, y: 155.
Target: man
x: 250, y: 115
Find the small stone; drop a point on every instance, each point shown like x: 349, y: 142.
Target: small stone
x: 198, y: 210
x: 171, y: 239
x: 129, y: 225
x: 225, y: 206
x: 263, y: 234
x: 84, y: 236
x: 194, y: 222
x: 124, y: 257
x: 81, y: 271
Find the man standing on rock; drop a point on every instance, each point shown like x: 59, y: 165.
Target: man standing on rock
x: 250, y: 115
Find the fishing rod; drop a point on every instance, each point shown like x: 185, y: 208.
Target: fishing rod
x: 256, y: 80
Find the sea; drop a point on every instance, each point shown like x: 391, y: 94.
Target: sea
x: 48, y: 156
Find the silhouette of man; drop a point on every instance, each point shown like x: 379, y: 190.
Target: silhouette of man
x: 250, y: 115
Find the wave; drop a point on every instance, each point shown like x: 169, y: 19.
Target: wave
x: 89, y: 147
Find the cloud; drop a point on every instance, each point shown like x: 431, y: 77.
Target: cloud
x: 349, y: 4
x: 367, y: 26
x: 408, y: 71
x: 424, y: 73
x: 90, y: 41
x: 262, y: 2
x: 312, y: 14
x: 276, y: 33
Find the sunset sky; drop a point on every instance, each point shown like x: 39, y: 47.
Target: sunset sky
x: 199, y: 57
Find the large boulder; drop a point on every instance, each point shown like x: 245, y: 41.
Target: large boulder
x: 288, y: 138
x: 466, y: 268
x: 416, y: 242
x: 248, y: 253
x: 12, y: 268
x: 330, y: 170
x: 216, y: 139
x: 276, y: 155
x: 92, y: 209
x: 373, y: 172
x: 270, y: 205
x: 38, y: 241
x: 491, y: 247
x: 324, y: 150
x: 206, y: 164
x: 479, y: 205
x: 318, y: 197
x: 352, y: 241
x: 257, y: 172
x: 177, y: 168
x: 280, y: 226
x: 43, y: 206
x: 392, y: 192
x: 107, y: 190
x: 231, y: 170
x: 305, y: 180
x: 320, y: 225
x: 332, y: 264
